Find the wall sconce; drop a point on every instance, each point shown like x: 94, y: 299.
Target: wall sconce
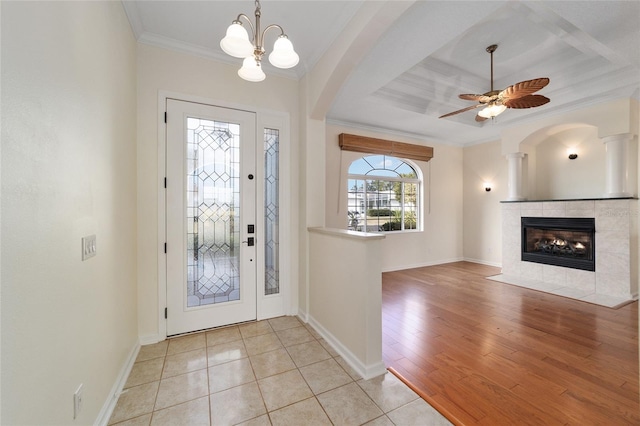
x: 487, y: 186
x: 572, y: 154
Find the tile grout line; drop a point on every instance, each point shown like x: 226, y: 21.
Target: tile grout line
x: 251, y: 362
x: 315, y: 395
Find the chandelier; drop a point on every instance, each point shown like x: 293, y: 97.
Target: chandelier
x: 236, y: 43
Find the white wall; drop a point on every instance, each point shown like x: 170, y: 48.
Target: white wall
x: 441, y: 239
x: 165, y: 70
x: 482, y: 218
x: 558, y: 177
x: 68, y: 170
x: 352, y: 322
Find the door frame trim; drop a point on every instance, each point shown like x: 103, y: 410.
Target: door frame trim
x: 266, y: 306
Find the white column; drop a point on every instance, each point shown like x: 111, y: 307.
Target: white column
x: 515, y: 176
x: 617, y: 170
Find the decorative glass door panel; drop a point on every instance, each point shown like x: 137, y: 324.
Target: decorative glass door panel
x: 213, y: 211
x: 211, y: 273
x: 271, y: 211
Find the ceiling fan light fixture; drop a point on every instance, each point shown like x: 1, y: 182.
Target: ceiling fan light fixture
x: 495, y: 102
x: 492, y: 111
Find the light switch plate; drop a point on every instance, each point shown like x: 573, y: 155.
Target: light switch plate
x: 77, y: 401
x: 88, y: 247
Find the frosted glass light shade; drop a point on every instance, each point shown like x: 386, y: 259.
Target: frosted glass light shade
x: 283, y: 55
x: 251, y: 70
x: 236, y: 43
x: 492, y: 111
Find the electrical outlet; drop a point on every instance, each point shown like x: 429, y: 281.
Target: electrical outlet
x: 89, y: 247
x: 77, y: 401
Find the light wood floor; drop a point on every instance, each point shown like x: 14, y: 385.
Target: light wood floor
x: 495, y: 354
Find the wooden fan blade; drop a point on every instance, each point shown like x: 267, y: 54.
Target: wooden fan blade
x: 523, y: 88
x: 462, y: 110
x: 529, y: 101
x: 480, y: 98
x: 480, y: 119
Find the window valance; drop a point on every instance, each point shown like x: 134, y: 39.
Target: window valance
x: 382, y: 146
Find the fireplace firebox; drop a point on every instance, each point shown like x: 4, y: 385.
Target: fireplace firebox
x: 568, y: 242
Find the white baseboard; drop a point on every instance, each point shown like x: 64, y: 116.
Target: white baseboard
x: 151, y: 339
x: 114, y: 394
x: 365, y: 371
x: 442, y: 262
x: 483, y: 262
x: 303, y: 315
x: 422, y: 265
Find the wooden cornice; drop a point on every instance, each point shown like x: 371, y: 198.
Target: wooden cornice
x: 385, y: 147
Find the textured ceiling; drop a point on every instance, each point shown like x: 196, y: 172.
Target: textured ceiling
x: 590, y: 50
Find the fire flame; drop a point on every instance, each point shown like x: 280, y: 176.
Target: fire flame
x: 559, y: 242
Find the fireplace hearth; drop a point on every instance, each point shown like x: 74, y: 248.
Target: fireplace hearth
x: 567, y: 242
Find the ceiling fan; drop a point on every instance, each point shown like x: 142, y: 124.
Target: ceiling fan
x: 519, y: 95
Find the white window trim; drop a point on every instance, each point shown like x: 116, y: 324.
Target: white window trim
x: 419, y: 181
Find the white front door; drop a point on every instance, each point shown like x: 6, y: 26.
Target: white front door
x: 210, y: 216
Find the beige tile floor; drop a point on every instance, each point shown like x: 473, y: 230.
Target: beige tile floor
x: 274, y: 372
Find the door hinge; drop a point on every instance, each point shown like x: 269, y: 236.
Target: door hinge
x: 165, y: 313
x: 165, y: 116
x: 165, y: 247
x: 165, y: 183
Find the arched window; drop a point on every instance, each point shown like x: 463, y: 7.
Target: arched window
x: 383, y: 195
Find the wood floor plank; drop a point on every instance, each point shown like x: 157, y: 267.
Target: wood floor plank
x: 559, y: 375
x: 467, y: 405
x: 604, y: 408
x: 491, y: 353
x: 417, y: 356
x: 468, y: 363
x: 507, y: 405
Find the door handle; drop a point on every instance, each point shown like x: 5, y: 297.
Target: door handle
x: 250, y: 241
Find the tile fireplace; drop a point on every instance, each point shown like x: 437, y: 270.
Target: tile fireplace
x: 608, y: 228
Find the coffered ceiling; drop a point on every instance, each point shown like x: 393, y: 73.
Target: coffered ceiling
x: 590, y: 50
